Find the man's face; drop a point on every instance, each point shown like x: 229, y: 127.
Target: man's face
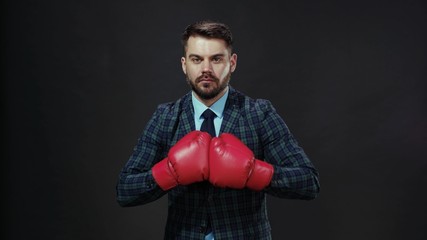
x: 208, y: 65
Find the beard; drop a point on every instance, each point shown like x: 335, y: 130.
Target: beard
x: 208, y: 91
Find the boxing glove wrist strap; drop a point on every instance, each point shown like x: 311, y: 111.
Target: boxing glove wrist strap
x: 261, y: 176
x: 163, y: 176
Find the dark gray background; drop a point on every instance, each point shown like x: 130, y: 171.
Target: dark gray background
x: 81, y: 79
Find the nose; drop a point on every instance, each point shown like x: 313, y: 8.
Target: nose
x: 206, y: 67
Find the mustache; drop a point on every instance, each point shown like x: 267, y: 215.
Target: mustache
x: 207, y: 75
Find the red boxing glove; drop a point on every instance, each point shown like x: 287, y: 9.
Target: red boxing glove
x: 232, y: 164
x: 187, y: 162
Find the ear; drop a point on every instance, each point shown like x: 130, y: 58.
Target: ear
x: 233, y: 62
x: 183, y: 65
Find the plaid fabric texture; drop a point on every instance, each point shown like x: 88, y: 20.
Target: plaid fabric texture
x: 233, y: 214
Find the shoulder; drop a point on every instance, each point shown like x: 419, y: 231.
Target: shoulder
x: 165, y: 118
x: 170, y: 110
x: 168, y: 114
x: 254, y: 106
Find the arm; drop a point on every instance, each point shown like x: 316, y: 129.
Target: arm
x: 294, y: 175
x: 136, y: 184
x: 146, y: 177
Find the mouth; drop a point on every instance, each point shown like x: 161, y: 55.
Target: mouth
x: 206, y: 79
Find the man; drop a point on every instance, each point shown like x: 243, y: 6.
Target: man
x: 216, y: 182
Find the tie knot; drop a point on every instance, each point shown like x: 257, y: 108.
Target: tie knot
x: 208, y: 114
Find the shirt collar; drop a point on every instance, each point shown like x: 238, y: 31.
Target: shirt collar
x: 217, y: 107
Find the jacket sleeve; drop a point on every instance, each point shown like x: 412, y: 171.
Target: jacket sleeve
x: 294, y: 174
x: 136, y: 184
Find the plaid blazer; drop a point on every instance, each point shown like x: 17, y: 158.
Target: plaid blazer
x: 233, y: 214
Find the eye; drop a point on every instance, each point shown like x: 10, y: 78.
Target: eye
x: 196, y: 60
x: 217, y: 59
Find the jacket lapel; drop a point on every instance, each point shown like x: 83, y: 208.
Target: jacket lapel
x: 187, y: 117
x: 231, y: 113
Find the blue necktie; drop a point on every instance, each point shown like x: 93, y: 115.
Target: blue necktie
x: 208, y: 124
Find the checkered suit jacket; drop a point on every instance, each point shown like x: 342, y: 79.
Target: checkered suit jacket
x: 233, y: 214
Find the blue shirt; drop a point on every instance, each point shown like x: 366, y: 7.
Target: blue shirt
x: 217, y: 108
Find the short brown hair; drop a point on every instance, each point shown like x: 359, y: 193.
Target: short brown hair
x: 208, y: 29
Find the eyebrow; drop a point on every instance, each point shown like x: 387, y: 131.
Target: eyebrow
x: 215, y: 55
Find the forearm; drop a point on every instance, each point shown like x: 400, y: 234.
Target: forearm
x: 136, y: 184
x: 294, y: 182
x: 137, y: 188
x: 294, y: 174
